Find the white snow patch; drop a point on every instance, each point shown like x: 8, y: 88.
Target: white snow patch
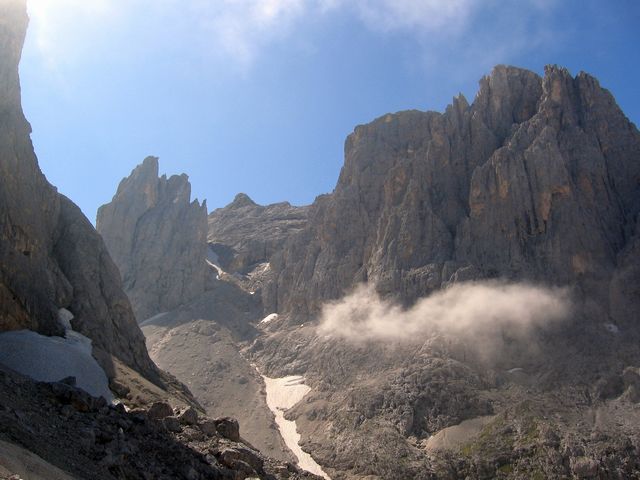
x: 50, y: 359
x: 65, y: 317
x: 515, y: 370
x: 156, y: 317
x: 215, y: 267
x: 269, y: 318
x: 611, y: 328
x: 282, y: 394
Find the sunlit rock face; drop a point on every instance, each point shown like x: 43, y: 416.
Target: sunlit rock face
x: 51, y: 257
x: 537, y: 179
x: 244, y: 234
x: 157, y: 237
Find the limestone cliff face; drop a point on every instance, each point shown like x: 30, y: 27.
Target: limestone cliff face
x: 157, y: 237
x: 50, y: 255
x: 244, y: 233
x: 538, y: 179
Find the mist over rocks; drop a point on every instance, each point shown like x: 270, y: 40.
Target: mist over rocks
x: 481, y: 312
x: 157, y: 237
x: 536, y: 180
x: 455, y: 233
x: 475, y: 263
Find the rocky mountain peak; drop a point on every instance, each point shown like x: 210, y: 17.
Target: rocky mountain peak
x: 244, y: 234
x: 144, y: 175
x: 495, y: 188
x: 157, y: 237
x: 242, y: 200
x: 507, y: 96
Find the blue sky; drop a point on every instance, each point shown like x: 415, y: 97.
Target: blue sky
x: 258, y: 95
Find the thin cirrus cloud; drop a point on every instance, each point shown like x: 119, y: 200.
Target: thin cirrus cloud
x: 55, y: 25
x: 431, y: 15
x: 242, y: 29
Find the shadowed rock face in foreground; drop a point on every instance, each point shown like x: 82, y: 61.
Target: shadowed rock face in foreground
x: 51, y: 257
x: 157, y: 237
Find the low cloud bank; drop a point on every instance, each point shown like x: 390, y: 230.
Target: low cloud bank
x: 474, y: 310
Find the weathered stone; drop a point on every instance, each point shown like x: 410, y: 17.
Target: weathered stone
x: 189, y: 416
x: 157, y: 237
x: 244, y: 234
x: 228, y: 427
x: 231, y: 457
x: 160, y: 410
x: 193, y: 434
x: 172, y: 424
x: 583, y: 467
x: 536, y: 180
x: 209, y: 428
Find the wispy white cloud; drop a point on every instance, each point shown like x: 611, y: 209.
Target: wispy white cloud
x: 54, y: 22
x: 480, y: 313
x: 429, y: 15
x: 241, y: 30
x: 242, y: 27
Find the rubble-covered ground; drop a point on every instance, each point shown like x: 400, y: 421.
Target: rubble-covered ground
x: 88, y: 438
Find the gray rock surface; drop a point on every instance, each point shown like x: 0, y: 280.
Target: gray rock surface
x: 157, y: 237
x: 200, y: 346
x: 538, y: 179
x: 92, y: 440
x: 244, y: 234
x: 160, y: 410
x: 50, y: 255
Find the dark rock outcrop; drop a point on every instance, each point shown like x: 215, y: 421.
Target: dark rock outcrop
x: 50, y: 255
x: 538, y: 179
x: 157, y: 237
x: 92, y: 440
x: 244, y: 234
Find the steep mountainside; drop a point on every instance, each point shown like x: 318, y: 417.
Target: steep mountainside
x: 244, y: 234
x: 157, y: 237
x: 54, y: 266
x: 50, y: 255
x: 194, y: 314
x: 538, y: 179
x: 536, y: 183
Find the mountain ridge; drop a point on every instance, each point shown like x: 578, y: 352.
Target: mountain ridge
x: 535, y: 185
x: 151, y: 210
x: 433, y: 177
